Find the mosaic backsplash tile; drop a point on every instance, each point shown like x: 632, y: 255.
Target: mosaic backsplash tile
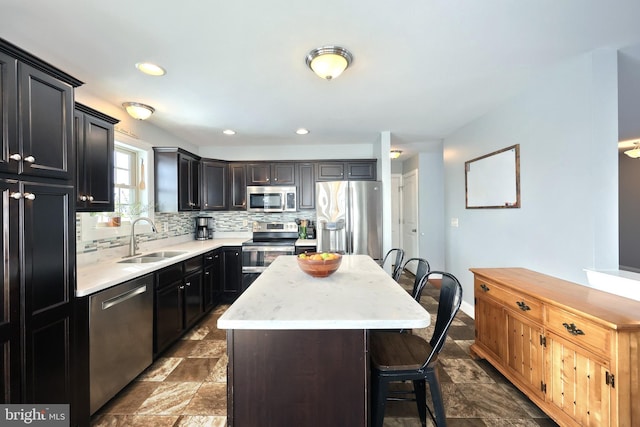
x: 176, y: 224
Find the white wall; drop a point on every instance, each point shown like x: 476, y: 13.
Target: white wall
x: 568, y: 172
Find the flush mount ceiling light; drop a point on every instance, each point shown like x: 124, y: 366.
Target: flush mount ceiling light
x: 328, y: 62
x: 151, y: 69
x: 229, y: 132
x: 394, y: 154
x: 137, y: 110
x: 634, y: 153
x: 302, y: 131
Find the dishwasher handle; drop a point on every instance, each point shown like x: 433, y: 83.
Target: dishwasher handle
x: 123, y: 297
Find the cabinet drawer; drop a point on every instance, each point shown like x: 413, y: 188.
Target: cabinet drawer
x: 522, y: 304
x: 193, y: 264
x: 169, y: 275
x: 579, y: 330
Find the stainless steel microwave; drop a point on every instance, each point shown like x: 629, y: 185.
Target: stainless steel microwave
x: 271, y: 199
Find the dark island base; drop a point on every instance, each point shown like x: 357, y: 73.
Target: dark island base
x: 297, y: 378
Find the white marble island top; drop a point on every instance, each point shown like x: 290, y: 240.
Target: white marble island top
x: 360, y: 295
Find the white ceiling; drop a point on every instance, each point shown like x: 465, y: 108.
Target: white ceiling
x: 422, y: 68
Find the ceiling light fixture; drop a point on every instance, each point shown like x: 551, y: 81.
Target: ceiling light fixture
x: 394, y: 154
x: 229, y: 132
x: 151, y: 69
x: 634, y: 153
x: 137, y: 110
x: 302, y: 131
x: 328, y: 62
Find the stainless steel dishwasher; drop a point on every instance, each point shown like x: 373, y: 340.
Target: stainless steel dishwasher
x: 120, y: 337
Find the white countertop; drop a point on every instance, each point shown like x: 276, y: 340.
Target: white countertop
x: 101, y: 275
x: 360, y: 295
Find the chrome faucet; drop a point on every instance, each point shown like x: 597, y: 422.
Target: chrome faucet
x: 133, y: 244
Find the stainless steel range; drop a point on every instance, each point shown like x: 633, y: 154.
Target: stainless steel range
x: 270, y: 240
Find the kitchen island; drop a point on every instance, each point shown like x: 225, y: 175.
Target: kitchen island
x: 298, y: 346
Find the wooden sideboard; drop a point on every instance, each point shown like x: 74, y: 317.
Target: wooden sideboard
x: 573, y: 350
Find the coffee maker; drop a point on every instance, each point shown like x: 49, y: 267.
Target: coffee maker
x: 202, y: 227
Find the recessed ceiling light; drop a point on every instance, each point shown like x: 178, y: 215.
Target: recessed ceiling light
x: 229, y: 132
x: 151, y: 69
x: 302, y: 131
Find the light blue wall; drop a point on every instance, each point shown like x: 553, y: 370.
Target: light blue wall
x: 566, y: 125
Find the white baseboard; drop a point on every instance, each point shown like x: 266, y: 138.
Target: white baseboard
x: 468, y: 309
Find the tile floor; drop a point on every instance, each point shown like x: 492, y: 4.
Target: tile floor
x: 187, y: 385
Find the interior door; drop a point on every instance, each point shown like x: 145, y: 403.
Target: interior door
x: 396, y: 211
x: 410, y: 215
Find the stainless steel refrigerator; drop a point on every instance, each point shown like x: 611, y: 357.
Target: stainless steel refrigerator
x: 349, y: 217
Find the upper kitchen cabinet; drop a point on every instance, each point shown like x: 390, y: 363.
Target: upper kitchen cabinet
x: 266, y: 173
x: 94, y: 160
x: 214, y: 185
x: 352, y: 170
x: 306, y: 185
x: 36, y: 116
x: 177, y: 180
x: 237, y: 186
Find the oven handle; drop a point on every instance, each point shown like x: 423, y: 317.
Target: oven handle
x: 291, y: 249
x: 253, y: 269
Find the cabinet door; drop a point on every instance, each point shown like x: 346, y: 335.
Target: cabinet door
x: 94, y: 148
x: 8, y: 114
x: 578, y: 383
x: 306, y: 186
x: 46, y: 120
x: 283, y: 174
x: 525, y: 352
x: 361, y: 171
x: 490, y: 321
x: 232, y: 271
x: 238, y: 186
x: 48, y: 255
x: 213, y: 278
x: 214, y: 186
x: 193, y: 304
x: 10, y: 295
x: 168, y: 320
x: 188, y: 183
x: 330, y: 171
x: 259, y: 174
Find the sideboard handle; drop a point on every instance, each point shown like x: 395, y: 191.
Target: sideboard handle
x: 573, y: 329
x: 484, y: 287
x: 523, y: 306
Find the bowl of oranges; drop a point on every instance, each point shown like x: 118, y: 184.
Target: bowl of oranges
x: 319, y: 264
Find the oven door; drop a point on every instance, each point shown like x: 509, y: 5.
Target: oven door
x: 255, y: 259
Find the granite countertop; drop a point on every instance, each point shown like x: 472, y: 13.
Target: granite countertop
x: 101, y: 275
x: 360, y: 295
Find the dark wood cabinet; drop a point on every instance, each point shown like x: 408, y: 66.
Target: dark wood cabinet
x: 232, y: 272
x: 213, y: 278
x: 177, y: 180
x: 305, y: 249
x: 306, y: 185
x: 37, y: 167
x: 179, y: 301
x: 353, y: 170
x: 214, y: 185
x: 94, y: 160
x: 268, y: 173
x: 237, y: 186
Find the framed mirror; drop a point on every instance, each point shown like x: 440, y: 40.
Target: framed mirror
x: 493, y: 180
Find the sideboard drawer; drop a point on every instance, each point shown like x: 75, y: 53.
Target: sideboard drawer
x: 579, y: 330
x: 525, y: 305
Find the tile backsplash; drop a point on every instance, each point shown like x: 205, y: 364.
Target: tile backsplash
x: 177, y: 224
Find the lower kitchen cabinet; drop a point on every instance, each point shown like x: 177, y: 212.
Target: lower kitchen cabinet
x: 193, y: 291
x: 213, y: 278
x: 574, y: 351
x: 232, y: 272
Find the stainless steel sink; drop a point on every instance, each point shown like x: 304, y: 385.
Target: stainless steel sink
x: 152, y: 257
x: 140, y: 260
x: 165, y: 254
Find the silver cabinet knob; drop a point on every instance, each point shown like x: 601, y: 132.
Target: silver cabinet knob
x: 18, y: 196
x: 30, y: 159
x: 17, y: 157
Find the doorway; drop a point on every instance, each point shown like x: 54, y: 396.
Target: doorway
x: 409, y: 211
